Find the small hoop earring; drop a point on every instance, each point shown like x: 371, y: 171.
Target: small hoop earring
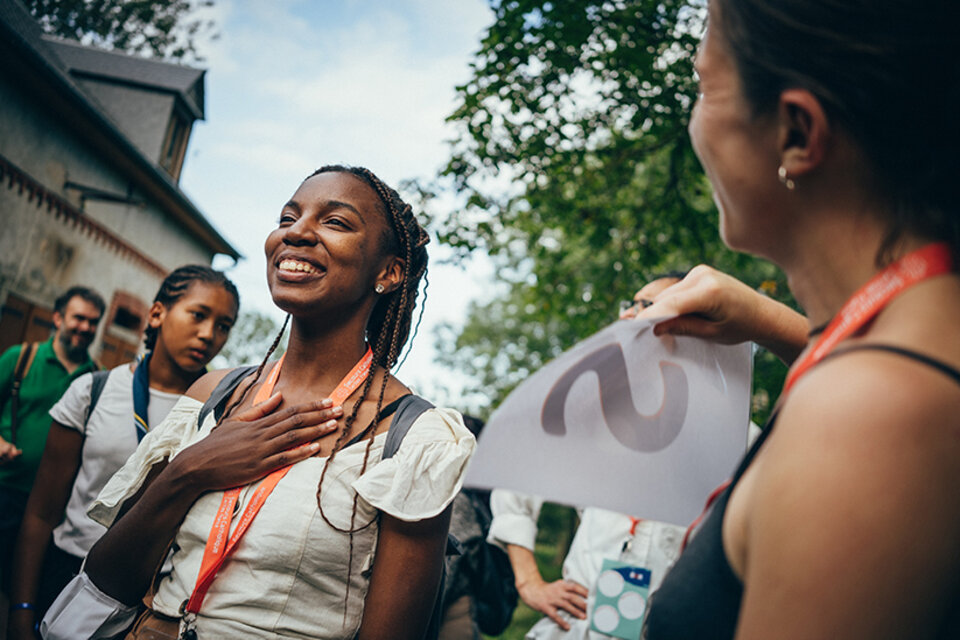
x: 379, y: 288
x: 787, y: 182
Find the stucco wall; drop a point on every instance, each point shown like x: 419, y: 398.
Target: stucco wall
x: 41, y: 254
x: 52, y: 154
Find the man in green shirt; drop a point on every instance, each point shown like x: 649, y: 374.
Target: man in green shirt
x: 57, y: 362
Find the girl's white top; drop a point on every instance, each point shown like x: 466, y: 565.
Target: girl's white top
x: 109, y: 439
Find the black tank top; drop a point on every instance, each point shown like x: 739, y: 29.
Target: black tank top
x: 700, y: 596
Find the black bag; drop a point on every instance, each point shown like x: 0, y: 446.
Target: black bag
x: 491, y: 576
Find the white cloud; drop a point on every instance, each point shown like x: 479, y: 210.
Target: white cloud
x: 293, y: 84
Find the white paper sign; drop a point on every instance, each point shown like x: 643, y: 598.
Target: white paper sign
x: 625, y: 421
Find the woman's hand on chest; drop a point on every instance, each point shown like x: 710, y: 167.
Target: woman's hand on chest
x: 255, y: 441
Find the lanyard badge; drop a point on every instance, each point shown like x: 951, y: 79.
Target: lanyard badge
x: 621, y: 592
x: 620, y: 602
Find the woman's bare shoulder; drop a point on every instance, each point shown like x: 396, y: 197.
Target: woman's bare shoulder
x: 878, y: 395
x: 205, y: 384
x: 861, y: 465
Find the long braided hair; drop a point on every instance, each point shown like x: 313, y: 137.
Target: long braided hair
x: 390, y: 320
x: 388, y: 327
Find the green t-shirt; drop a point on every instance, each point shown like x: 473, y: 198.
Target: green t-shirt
x: 43, y: 385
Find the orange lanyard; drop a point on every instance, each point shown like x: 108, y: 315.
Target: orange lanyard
x: 862, y: 307
x: 926, y: 262
x: 219, y: 544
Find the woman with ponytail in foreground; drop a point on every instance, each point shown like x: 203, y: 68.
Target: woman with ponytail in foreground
x: 828, y: 130
x: 283, y: 519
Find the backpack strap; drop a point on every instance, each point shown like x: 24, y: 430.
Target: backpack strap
x: 28, y: 350
x: 222, y: 391
x: 97, y: 384
x: 410, y: 408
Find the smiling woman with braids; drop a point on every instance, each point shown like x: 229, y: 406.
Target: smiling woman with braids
x: 346, y: 544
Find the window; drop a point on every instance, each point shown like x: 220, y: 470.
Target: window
x: 126, y: 317
x: 174, y: 145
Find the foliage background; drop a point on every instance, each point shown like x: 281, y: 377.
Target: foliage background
x: 169, y: 29
x: 578, y: 179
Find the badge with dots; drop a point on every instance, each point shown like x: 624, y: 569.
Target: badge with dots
x: 620, y: 601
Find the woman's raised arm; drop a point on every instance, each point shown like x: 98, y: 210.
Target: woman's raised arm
x: 713, y: 305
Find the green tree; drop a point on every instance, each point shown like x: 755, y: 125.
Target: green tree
x: 578, y: 178
x: 166, y: 29
x: 250, y: 338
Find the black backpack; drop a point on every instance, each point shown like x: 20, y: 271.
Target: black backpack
x: 492, y: 582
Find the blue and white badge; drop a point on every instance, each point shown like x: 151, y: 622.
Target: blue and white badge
x: 621, y: 598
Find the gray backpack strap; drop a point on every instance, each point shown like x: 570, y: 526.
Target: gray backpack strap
x: 222, y: 391
x: 96, y: 389
x: 408, y: 411
x: 410, y: 408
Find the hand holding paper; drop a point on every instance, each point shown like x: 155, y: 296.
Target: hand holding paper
x: 625, y: 421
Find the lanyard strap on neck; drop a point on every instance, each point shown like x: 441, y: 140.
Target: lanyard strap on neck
x: 141, y: 396
x: 864, y: 305
x: 219, y: 543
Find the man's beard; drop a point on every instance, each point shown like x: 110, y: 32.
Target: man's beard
x: 75, y: 352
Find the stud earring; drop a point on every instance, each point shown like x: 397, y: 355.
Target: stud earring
x: 787, y: 182
x: 379, y: 288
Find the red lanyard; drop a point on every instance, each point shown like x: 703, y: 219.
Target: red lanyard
x: 219, y: 546
x: 926, y: 262
x: 862, y: 307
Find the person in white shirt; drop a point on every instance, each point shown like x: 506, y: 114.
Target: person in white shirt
x: 188, y: 324
x: 601, y: 534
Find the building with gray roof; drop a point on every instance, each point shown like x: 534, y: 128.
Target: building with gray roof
x: 92, y: 144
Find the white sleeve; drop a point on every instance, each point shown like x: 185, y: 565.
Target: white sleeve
x: 514, y: 518
x: 83, y: 611
x: 176, y: 432
x: 426, y: 473
x: 71, y: 410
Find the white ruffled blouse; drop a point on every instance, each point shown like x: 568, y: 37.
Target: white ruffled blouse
x: 287, y: 577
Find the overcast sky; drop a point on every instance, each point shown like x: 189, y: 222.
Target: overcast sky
x: 295, y: 84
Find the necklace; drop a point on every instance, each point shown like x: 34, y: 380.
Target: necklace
x: 815, y: 331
